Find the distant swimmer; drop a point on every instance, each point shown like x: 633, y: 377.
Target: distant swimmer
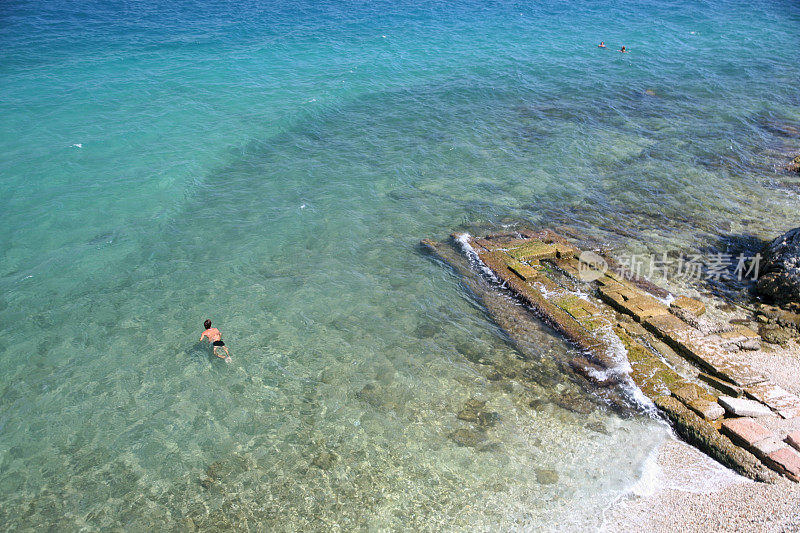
x: 623, y: 50
x: 215, y: 338
x: 602, y: 44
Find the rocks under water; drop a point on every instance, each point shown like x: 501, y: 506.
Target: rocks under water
x: 779, y: 278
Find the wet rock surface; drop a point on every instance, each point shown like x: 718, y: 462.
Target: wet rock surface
x: 779, y: 278
x: 794, y: 165
x: 776, y: 325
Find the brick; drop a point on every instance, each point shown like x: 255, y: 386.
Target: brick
x: 592, y: 323
x: 741, y: 331
x: 739, y: 373
x: 610, y: 283
x: 565, y: 251
x: 688, y: 392
x: 632, y: 328
x: 669, y: 327
x: 785, y: 461
x: 745, y: 431
x: 495, y: 259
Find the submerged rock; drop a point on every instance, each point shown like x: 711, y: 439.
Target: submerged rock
x: 467, y: 415
x: 575, y: 402
x: 598, y: 427
x: 325, y: 460
x: 794, y: 165
x: 488, y: 419
x: 371, y: 395
x: 473, y: 412
x: 467, y: 437
x: 779, y: 278
x: 546, y: 476
x: 473, y: 353
x: 593, y: 372
x: 425, y: 330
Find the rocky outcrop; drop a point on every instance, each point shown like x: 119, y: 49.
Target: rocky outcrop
x: 794, y: 165
x: 779, y: 277
x: 611, y: 318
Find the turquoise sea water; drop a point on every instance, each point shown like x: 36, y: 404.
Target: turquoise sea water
x: 272, y: 166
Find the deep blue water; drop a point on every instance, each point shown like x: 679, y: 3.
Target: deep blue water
x: 272, y: 166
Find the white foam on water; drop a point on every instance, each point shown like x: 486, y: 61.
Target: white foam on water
x: 618, y: 355
x: 667, y: 300
x: 648, y: 482
x: 78, y: 145
x: 682, y: 468
x: 463, y: 240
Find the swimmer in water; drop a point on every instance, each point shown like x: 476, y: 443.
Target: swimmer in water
x: 602, y: 44
x: 623, y: 50
x: 215, y: 338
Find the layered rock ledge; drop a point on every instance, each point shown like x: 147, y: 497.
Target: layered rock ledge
x: 692, y: 369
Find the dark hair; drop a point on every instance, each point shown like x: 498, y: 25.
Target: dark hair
x: 207, y: 324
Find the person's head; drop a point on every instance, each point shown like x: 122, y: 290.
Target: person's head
x: 602, y: 43
x: 623, y: 48
x: 207, y: 324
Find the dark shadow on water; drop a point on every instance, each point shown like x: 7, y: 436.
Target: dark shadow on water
x: 200, y: 351
x: 734, y: 286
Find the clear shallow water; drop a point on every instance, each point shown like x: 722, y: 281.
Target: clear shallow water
x: 205, y: 130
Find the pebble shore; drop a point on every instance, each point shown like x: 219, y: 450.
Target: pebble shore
x: 689, y: 495
x: 689, y: 492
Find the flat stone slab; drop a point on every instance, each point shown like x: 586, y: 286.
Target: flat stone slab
x: 785, y: 461
x: 643, y: 307
x: 533, y: 250
x: 706, y: 351
x: 721, y: 385
x: 707, y: 409
x: 743, y: 407
x: 526, y: 272
x: 767, y: 446
x: 745, y: 431
x: 739, y: 332
x: 696, y: 307
x: 793, y: 440
x: 783, y: 402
